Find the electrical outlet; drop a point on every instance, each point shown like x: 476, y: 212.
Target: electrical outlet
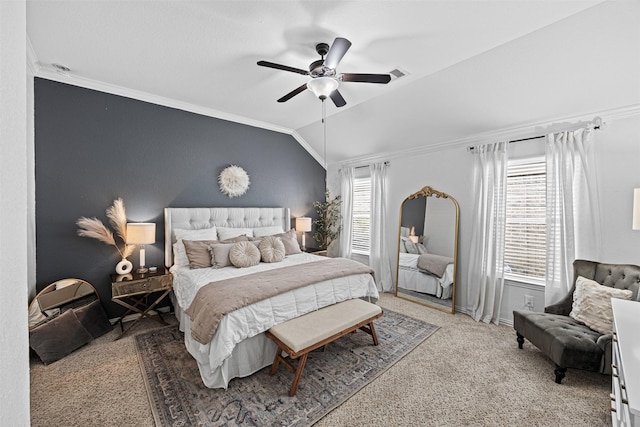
x: 528, y: 302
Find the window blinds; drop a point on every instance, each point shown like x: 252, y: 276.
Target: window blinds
x: 525, y: 232
x: 361, y: 215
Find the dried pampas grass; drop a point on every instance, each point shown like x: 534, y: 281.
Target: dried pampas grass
x: 94, y: 228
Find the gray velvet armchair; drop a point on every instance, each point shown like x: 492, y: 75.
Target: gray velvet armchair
x: 566, y: 341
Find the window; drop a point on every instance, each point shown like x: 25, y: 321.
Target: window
x: 525, y: 233
x: 361, y: 219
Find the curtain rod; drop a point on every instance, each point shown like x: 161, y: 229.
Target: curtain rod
x: 595, y: 127
x: 387, y: 163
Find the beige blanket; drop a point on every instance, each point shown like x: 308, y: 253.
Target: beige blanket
x: 216, y: 299
x: 433, y: 264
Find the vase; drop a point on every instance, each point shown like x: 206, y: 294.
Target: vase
x: 124, y: 267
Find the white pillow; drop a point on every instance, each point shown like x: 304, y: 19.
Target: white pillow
x: 225, y: 233
x: 592, y: 304
x: 179, y: 253
x: 267, y: 231
x: 271, y: 249
x: 244, y: 254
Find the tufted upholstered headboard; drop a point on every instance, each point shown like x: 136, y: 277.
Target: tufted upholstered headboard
x: 196, y: 218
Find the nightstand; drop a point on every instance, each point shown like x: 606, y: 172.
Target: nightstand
x: 135, y: 288
x: 315, y: 251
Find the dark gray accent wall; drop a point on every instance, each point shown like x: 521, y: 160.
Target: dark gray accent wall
x: 413, y: 214
x: 93, y: 147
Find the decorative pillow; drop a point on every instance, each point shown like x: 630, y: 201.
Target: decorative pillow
x: 271, y: 249
x: 411, y: 247
x: 93, y: 318
x: 220, y: 251
x: 267, y: 231
x: 225, y: 233
x: 403, y: 247
x: 422, y: 249
x: 244, y: 254
x: 198, y: 252
x: 58, y: 337
x: 592, y: 304
x: 179, y: 253
x: 404, y: 232
x: 290, y: 242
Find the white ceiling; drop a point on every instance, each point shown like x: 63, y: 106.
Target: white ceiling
x: 473, y: 66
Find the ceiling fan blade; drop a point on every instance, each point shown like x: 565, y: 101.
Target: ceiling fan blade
x: 339, y: 47
x: 293, y: 93
x: 366, y: 78
x: 337, y: 98
x: 283, y: 67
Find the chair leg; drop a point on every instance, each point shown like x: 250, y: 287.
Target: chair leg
x: 560, y: 373
x: 520, y: 339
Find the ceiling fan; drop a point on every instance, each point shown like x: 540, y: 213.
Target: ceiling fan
x: 324, y: 78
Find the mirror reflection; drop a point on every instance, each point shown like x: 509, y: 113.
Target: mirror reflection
x: 428, y: 245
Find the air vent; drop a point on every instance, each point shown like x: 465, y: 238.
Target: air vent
x: 397, y: 73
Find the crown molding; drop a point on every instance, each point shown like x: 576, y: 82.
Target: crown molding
x: 524, y: 131
x: 84, y: 82
x: 50, y: 74
x: 309, y: 149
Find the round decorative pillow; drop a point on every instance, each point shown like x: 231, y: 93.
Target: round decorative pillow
x: 244, y: 254
x: 272, y: 249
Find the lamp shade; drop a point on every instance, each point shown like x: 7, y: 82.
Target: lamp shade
x: 322, y: 86
x: 303, y: 224
x: 141, y: 233
x: 636, y: 209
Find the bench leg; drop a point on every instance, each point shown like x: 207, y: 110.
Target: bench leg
x: 371, y: 330
x: 560, y: 373
x: 276, y: 362
x: 296, y: 380
x: 520, y: 339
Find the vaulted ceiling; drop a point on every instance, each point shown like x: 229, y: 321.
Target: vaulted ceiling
x: 471, y: 67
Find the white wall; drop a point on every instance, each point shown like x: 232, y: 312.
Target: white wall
x: 14, y: 345
x: 617, y: 156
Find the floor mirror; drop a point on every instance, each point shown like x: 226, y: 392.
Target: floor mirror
x: 428, y: 249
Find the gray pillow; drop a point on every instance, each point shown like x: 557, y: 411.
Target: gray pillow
x: 220, y: 251
x: 272, y: 249
x: 198, y: 252
x: 93, y: 318
x: 58, y: 337
x: 290, y: 242
x: 244, y: 254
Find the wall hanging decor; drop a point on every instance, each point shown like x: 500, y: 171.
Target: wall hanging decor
x: 234, y: 181
x: 94, y: 228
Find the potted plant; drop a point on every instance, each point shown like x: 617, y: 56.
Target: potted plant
x: 328, y: 224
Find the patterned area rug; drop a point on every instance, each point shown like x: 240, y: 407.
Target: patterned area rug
x: 178, y: 397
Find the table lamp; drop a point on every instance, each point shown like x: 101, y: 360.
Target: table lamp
x: 141, y: 233
x: 303, y: 224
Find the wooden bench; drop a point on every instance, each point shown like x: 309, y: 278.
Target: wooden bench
x: 297, y: 337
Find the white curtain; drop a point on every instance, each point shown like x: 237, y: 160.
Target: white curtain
x: 346, y: 192
x: 485, y: 281
x: 379, y: 256
x: 573, y: 211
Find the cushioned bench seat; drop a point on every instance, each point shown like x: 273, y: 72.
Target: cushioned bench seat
x: 297, y: 337
x: 564, y: 340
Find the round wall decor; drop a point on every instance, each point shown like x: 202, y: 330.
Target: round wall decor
x: 234, y: 181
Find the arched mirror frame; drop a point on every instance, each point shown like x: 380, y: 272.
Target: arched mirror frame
x: 82, y: 289
x: 427, y: 191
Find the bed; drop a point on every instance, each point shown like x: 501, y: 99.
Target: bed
x: 239, y: 346
x: 414, y: 279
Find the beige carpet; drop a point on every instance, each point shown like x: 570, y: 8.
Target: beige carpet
x: 467, y: 373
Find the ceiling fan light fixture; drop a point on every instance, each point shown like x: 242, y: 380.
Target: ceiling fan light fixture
x: 322, y: 86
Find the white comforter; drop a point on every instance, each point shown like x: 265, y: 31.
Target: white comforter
x: 410, y: 262
x: 256, y: 318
